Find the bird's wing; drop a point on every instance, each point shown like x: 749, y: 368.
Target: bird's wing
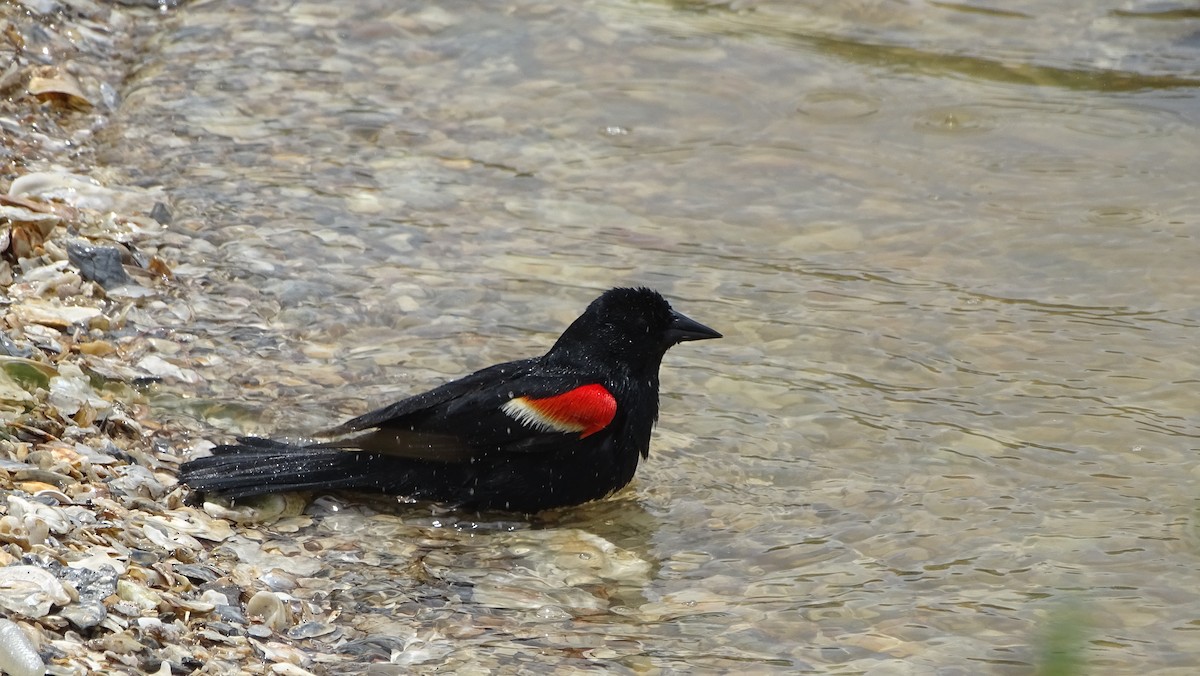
x: 518, y: 407
x: 412, y: 410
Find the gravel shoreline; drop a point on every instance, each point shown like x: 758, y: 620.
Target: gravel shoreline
x: 103, y: 568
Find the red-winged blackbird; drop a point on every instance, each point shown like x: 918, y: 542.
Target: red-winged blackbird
x: 527, y: 435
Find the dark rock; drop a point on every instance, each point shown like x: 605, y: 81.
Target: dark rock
x: 8, y: 347
x: 100, y: 264
x: 93, y: 586
x: 143, y: 558
x: 197, y: 572
x: 226, y: 629
x: 161, y: 213
x: 230, y: 614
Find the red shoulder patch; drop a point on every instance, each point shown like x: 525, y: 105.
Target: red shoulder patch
x: 586, y: 409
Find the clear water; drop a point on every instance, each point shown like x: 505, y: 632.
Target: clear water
x: 953, y: 248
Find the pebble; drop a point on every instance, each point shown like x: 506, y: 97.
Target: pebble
x: 100, y: 264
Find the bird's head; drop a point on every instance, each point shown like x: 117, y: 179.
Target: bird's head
x: 633, y: 327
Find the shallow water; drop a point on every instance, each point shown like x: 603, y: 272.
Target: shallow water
x: 952, y: 249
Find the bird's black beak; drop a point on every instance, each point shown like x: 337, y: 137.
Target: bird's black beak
x: 685, y: 328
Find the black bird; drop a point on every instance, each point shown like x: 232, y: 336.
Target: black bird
x: 556, y: 430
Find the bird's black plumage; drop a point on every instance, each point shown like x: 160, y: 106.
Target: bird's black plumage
x: 560, y: 429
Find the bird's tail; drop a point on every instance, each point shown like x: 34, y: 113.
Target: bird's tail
x: 256, y: 466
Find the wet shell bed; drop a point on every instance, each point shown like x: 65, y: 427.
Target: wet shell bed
x: 103, y: 568
x: 104, y: 565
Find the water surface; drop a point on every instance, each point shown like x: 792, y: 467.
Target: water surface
x: 952, y: 248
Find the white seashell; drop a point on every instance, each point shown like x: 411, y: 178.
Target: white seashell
x: 15, y: 214
x: 29, y: 511
x: 17, y: 654
x: 157, y: 366
x: 53, y: 314
x: 30, y: 591
x: 60, y: 83
x: 71, y: 394
x: 76, y: 190
x: 161, y: 533
x: 273, y: 611
x: 137, y: 594
x: 98, y: 561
